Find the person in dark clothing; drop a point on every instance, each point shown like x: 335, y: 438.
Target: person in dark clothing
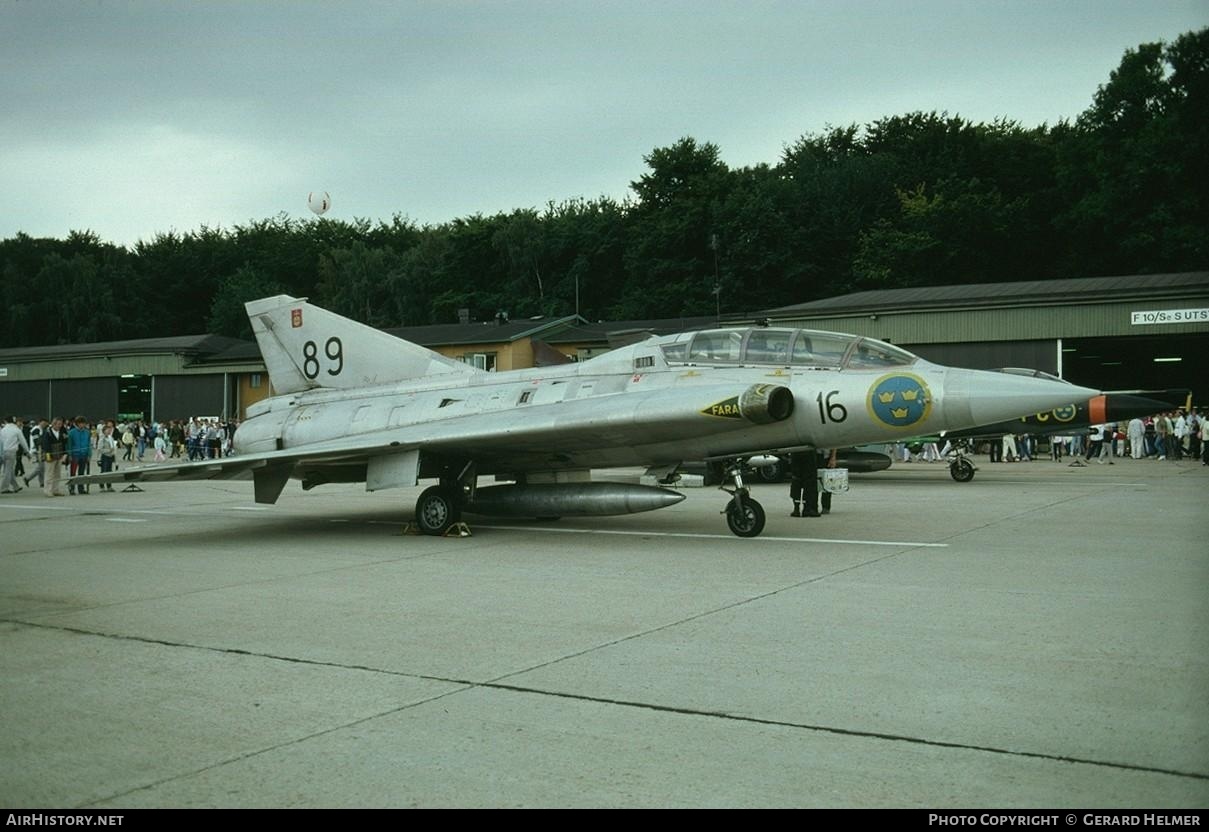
x: 176, y: 437
x: 802, y: 468
x: 804, y: 482
x: 822, y: 458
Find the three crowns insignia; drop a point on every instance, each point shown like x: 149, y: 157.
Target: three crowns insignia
x: 908, y: 396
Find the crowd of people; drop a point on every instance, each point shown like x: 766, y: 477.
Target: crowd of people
x: 1172, y: 436
x: 57, y: 448
x: 1166, y: 436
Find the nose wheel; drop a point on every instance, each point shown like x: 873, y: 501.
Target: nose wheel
x: 744, y: 516
x: 961, y: 468
x: 745, y: 519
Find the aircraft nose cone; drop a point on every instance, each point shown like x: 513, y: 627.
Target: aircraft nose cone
x: 984, y: 397
x: 1121, y: 407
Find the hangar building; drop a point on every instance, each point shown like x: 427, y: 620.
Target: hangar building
x: 162, y: 378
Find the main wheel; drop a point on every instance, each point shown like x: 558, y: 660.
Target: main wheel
x: 437, y: 510
x: 961, y: 470
x: 747, y: 521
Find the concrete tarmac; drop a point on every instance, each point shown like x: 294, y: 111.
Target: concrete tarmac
x: 1035, y: 638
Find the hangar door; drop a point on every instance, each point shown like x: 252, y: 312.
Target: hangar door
x: 992, y: 355
x: 24, y: 398
x: 179, y: 397
x: 1150, y: 362
x: 93, y: 398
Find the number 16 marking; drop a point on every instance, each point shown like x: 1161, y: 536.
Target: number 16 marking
x: 829, y: 410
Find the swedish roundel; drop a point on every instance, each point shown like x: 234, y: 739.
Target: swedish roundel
x: 899, y: 400
x: 1066, y: 412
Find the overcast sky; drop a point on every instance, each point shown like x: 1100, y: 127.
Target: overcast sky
x: 132, y: 118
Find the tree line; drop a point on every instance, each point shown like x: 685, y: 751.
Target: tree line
x: 909, y: 200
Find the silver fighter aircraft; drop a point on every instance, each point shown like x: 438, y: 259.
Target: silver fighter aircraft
x: 353, y: 404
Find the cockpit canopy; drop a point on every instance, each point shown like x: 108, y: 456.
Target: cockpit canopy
x: 783, y: 347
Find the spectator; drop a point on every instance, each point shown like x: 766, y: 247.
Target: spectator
x: 79, y: 453
x: 54, y: 455
x: 12, y: 444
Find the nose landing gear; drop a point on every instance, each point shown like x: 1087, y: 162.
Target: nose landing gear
x: 744, y: 515
x: 961, y: 467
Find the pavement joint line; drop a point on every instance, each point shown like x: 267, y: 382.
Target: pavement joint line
x: 699, y: 615
x: 435, y: 552
x: 593, y: 648
x: 234, y: 651
x: 851, y: 732
x: 276, y: 746
x: 576, y: 654
x: 463, y: 685
x: 1024, y: 513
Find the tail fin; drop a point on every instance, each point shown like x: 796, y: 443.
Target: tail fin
x: 305, y: 346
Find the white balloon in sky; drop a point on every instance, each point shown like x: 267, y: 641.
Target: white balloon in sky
x: 319, y: 202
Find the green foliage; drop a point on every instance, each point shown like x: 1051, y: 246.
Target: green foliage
x: 670, y: 257
x: 227, y: 314
x: 909, y: 200
x: 1137, y: 163
x: 360, y: 282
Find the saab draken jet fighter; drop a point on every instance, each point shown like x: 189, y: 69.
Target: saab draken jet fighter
x: 353, y: 404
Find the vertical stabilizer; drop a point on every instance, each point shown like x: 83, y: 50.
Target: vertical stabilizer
x: 305, y: 347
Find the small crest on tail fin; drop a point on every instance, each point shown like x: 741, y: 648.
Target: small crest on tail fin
x: 306, y: 346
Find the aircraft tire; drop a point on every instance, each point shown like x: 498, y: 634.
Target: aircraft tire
x: 961, y: 470
x: 745, y: 522
x: 436, y: 510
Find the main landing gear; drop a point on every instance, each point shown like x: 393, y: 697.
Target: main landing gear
x: 744, y: 515
x: 437, y: 509
x: 440, y: 506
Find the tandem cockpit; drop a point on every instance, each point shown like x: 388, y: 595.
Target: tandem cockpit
x: 802, y: 348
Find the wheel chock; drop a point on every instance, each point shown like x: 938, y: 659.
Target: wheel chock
x: 456, y: 530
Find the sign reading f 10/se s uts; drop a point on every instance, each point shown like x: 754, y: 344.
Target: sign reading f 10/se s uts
x: 1169, y: 316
